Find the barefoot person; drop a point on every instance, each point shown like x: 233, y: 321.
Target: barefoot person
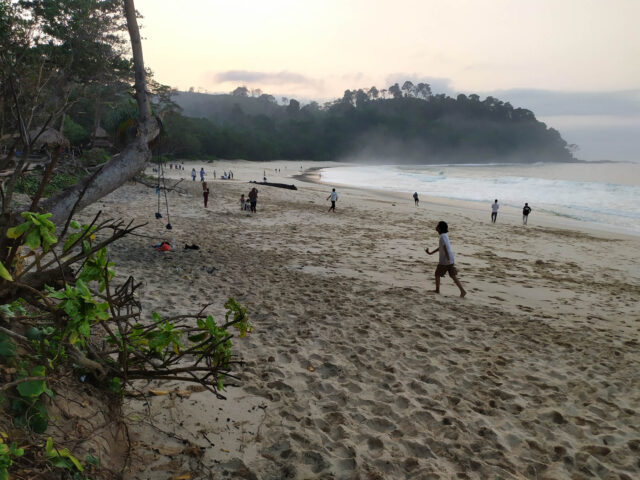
x: 445, y: 263
x: 334, y: 198
x: 415, y: 198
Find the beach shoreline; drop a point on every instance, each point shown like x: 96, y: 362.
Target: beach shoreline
x: 353, y: 369
x: 512, y: 214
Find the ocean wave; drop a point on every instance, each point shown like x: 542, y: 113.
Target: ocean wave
x: 593, y: 201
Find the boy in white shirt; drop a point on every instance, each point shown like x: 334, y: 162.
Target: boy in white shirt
x: 494, y: 211
x: 334, y: 198
x: 445, y: 263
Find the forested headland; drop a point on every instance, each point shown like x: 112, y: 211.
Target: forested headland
x: 401, y: 124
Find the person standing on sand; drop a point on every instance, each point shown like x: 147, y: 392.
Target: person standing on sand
x: 525, y: 213
x: 193, y: 174
x: 334, y: 198
x: 202, y: 174
x: 415, y: 198
x: 494, y: 211
x: 445, y: 262
x: 242, y: 202
x: 253, y: 198
x: 205, y: 193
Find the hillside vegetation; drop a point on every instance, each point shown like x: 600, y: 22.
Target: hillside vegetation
x: 406, y: 124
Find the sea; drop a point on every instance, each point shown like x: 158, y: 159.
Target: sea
x: 605, y: 195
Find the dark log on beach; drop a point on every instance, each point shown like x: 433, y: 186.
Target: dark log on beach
x: 278, y: 185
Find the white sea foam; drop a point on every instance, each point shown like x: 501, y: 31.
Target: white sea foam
x: 605, y: 194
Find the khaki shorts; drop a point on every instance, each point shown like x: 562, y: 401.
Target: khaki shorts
x: 441, y: 270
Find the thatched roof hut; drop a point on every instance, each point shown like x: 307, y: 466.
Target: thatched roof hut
x: 101, y: 139
x: 50, y: 138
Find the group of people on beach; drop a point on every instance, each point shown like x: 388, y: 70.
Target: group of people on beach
x: 194, y: 174
x: 249, y: 202
x: 446, y: 263
x: 526, y: 210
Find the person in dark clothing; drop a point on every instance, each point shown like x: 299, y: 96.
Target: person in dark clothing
x: 205, y: 193
x: 253, y: 198
x: 525, y: 213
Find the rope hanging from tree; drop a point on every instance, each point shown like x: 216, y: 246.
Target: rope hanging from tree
x: 164, y: 187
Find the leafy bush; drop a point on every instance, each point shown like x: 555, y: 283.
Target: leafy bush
x: 29, y: 183
x: 95, y: 156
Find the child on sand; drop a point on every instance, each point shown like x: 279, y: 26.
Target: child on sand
x: 526, y: 210
x: 494, y: 211
x: 334, y: 198
x: 242, y: 202
x: 205, y: 193
x: 445, y: 263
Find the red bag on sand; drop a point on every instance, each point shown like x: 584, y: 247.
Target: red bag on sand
x: 165, y: 247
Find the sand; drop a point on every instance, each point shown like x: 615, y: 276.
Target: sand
x: 354, y: 370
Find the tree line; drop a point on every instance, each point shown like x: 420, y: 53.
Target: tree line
x: 402, y: 123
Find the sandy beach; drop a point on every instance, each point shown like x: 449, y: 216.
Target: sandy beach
x: 354, y: 369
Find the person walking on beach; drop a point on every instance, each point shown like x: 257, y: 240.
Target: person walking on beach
x: 494, y: 211
x: 202, y: 174
x: 415, y: 198
x: 205, y: 193
x: 253, y: 198
x: 445, y: 262
x: 242, y: 202
x: 334, y: 198
x: 525, y: 213
x: 193, y: 174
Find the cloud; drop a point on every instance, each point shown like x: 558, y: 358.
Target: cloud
x: 263, y: 78
x: 548, y: 102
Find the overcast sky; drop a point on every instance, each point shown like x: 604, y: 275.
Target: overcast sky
x: 575, y: 63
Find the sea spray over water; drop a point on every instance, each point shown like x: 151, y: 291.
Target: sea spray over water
x: 605, y: 203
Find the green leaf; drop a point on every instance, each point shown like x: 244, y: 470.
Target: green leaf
x: 7, y: 311
x: 71, y: 239
x: 59, y: 456
x: 199, y: 337
x: 75, y: 225
x: 32, y: 239
x: 33, y: 218
x: 7, y: 347
x: 16, y: 232
x: 15, y: 451
x: 4, y: 273
x: 37, y: 417
x: 33, y: 388
x: 39, y: 423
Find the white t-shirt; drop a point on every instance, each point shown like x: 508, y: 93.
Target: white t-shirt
x: 444, y: 244
x: 334, y: 196
x: 494, y: 207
